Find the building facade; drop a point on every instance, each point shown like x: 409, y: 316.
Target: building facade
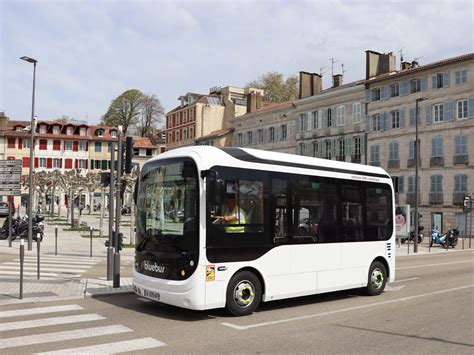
x: 444, y: 91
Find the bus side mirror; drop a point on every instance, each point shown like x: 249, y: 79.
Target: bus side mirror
x: 215, y: 188
x: 135, y: 192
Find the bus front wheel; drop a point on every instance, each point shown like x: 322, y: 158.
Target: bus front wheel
x: 244, y: 294
x: 377, y: 278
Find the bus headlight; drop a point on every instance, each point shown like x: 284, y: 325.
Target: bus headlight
x: 183, y: 273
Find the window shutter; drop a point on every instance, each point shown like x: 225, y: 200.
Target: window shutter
x: 471, y: 107
x: 92, y: 164
x: 367, y: 95
x: 400, y: 184
x: 323, y: 149
x: 60, y: 163
x: 448, y: 109
x: 76, y: 163
x: 75, y: 146
x: 412, y: 117
x: 333, y: 147
x: 402, y: 117
x: 36, y: 162
x: 362, y: 145
x: 87, y: 146
x: 424, y: 83
x: 385, y: 121
x: 26, y: 162
x: 384, y: 92
x: 20, y: 143
x: 49, y: 163
x: 428, y: 114
x: 367, y: 124
x: 348, y: 145
x: 404, y: 88
x: 434, y: 83
x: 446, y: 77
x: 87, y: 162
x: 325, y: 118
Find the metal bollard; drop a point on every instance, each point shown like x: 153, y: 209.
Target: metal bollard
x: 90, y: 228
x: 55, y: 240
x: 9, y: 226
x: 38, y: 247
x: 116, y: 282
x: 462, y: 236
x: 22, y: 258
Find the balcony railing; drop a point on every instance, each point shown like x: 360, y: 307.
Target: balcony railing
x: 458, y: 198
x: 355, y: 158
x: 436, y: 198
x: 411, y: 198
x: 394, y: 164
x: 461, y: 159
x: 437, y: 161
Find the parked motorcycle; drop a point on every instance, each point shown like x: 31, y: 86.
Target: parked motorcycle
x: 448, y: 239
x: 20, y: 228
x: 412, y: 235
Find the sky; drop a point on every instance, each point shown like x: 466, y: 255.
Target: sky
x: 89, y: 52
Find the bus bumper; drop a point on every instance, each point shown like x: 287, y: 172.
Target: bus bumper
x: 185, y: 294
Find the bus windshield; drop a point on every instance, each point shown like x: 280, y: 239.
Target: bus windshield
x: 167, y: 207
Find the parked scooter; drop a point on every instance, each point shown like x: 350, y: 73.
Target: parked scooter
x: 448, y: 239
x: 20, y: 228
x: 412, y: 235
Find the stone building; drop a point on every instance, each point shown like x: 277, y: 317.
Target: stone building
x: 200, y: 115
x: 445, y: 94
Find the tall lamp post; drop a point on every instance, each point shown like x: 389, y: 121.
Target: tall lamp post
x: 417, y: 162
x: 32, y: 156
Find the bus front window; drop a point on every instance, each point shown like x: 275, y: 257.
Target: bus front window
x: 167, y: 208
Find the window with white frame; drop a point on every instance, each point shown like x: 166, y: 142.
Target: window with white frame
x: 82, y: 163
x: 393, y: 151
x: 239, y: 139
x: 113, y: 133
x: 42, y: 162
x: 395, y: 118
x: 460, y: 183
x: 415, y: 86
x: 437, y: 147
x: 411, y: 150
x: 357, y: 149
x: 315, y: 116
x: 68, y: 145
x: 249, y: 137
x: 438, y: 113
x: 69, y: 131
x: 271, y: 134
x: 461, y: 109
x: 356, y: 112
x: 283, y: 132
x: 460, y: 144
x: 82, y: 146
x: 82, y: 131
x: 185, y: 116
x: 376, y: 122
x: 375, y: 154
x: 341, y: 115
x: 42, y: 129
x: 260, y: 135
x: 411, y: 185
x: 328, y: 149
x: 461, y: 76
x: 26, y: 143
x: 56, y: 163
x: 301, y: 150
x: 315, y: 148
x: 56, y: 130
x: 376, y: 94
x: 436, y: 184
x: 439, y: 80
x: 342, y: 149
x: 394, y: 90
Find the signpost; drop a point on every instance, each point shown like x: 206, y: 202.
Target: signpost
x: 468, y: 209
x: 10, y: 185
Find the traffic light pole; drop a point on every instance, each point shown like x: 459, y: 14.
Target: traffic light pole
x: 118, y: 212
x: 110, y: 249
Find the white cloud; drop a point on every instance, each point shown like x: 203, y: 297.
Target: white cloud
x: 91, y: 51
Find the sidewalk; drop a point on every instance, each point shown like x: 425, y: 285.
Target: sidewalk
x: 424, y: 249
x: 70, y: 274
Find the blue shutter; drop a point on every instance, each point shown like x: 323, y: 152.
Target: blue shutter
x: 428, y: 114
x: 412, y: 117
x: 323, y: 150
x: 404, y: 88
x: 367, y: 95
x: 334, y: 116
x: 385, y: 125
x: 433, y: 147
x: 367, y: 124
x: 470, y: 104
x: 402, y: 117
x: 401, y: 184
x: 384, y: 92
x: 448, y: 110
x: 333, y: 147
x: 457, y: 77
x: 424, y: 83
x: 362, y: 145
x: 348, y: 145
x: 325, y: 118
x: 446, y: 77
x: 434, y: 84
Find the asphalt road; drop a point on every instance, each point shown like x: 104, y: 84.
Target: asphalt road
x: 429, y: 309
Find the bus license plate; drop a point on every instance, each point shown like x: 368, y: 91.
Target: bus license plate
x: 147, y: 293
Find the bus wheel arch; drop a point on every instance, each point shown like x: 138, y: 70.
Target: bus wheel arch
x: 244, y: 292
x: 378, y: 275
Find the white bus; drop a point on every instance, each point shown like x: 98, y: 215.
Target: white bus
x: 232, y: 227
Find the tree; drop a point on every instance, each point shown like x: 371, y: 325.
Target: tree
x: 151, y: 114
x: 124, y: 110
x: 63, y: 119
x: 91, y: 183
x: 276, y: 88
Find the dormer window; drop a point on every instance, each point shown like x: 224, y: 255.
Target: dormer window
x: 19, y: 129
x: 70, y: 131
x: 56, y: 130
x: 82, y: 131
x: 113, y: 133
x: 99, y: 133
x: 190, y: 99
x: 42, y: 129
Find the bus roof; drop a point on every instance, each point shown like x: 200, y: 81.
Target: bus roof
x: 212, y: 156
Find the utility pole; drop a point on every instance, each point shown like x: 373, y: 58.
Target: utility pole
x: 110, y: 250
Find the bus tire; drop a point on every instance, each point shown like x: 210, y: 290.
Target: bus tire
x: 377, y: 279
x: 244, y: 294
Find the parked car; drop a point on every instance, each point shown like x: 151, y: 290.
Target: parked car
x: 4, y: 209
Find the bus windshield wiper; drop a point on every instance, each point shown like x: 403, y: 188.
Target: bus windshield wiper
x: 151, y: 233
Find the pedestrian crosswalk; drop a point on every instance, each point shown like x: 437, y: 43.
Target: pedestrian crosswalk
x: 50, y: 267
x: 51, y: 337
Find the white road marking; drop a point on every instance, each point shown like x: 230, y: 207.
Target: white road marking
x: 43, y: 268
x: 63, y: 258
x: 40, y: 310
x: 28, y: 273
x: 64, y: 262
x: 111, y: 348
x: 429, y: 265
x: 245, y: 327
x: 391, y: 288
x: 49, y: 321
x: 410, y: 279
x: 62, y: 266
x: 7, y: 343
x: 144, y: 299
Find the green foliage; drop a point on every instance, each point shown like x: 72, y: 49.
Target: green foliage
x: 124, y: 110
x: 276, y: 88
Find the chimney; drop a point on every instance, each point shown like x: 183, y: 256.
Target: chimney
x: 310, y: 84
x: 414, y: 64
x: 378, y: 63
x: 251, y: 102
x: 259, y: 101
x: 336, y: 80
x: 406, y: 65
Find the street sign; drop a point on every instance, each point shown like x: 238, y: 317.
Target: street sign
x: 10, y: 177
x: 467, y: 204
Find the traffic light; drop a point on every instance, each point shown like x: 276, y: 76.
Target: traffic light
x: 105, y: 179
x: 128, y: 155
x: 120, y: 241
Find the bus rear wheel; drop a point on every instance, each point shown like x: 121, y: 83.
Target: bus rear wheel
x: 377, y: 278
x: 244, y: 294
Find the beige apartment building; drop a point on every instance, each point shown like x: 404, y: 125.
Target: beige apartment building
x: 201, y: 115
x: 445, y: 94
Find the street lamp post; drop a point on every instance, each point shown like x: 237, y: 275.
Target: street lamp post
x: 32, y: 156
x: 417, y: 160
